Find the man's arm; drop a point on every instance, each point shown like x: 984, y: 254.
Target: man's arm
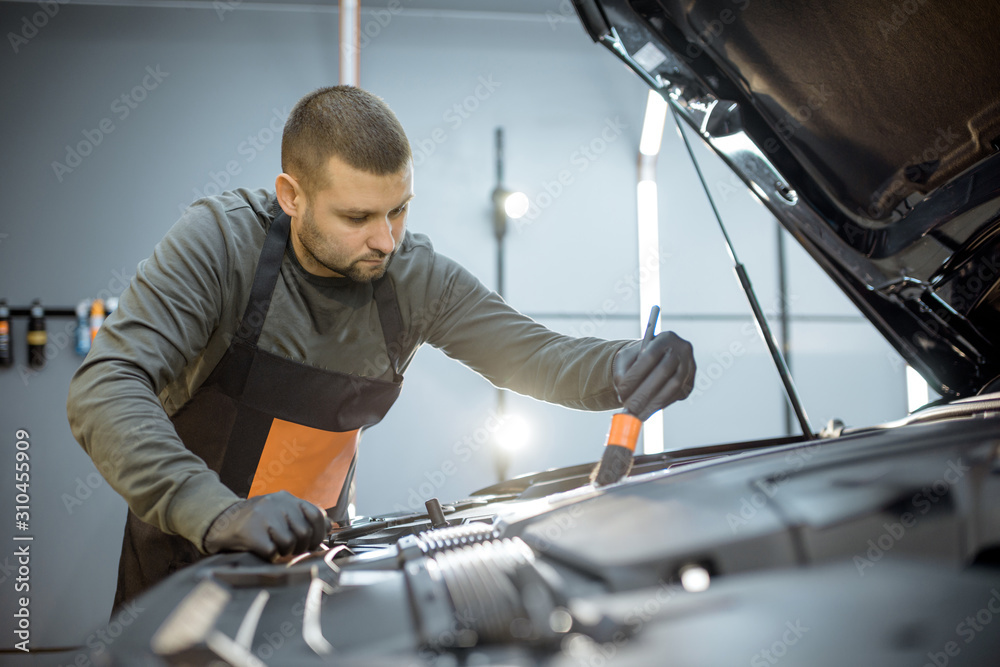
x: 163, y: 322
x: 474, y: 325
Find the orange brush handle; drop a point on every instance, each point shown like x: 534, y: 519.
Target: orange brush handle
x: 624, y: 431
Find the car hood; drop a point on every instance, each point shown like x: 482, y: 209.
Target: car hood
x: 870, y: 129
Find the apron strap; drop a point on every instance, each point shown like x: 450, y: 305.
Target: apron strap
x: 392, y: 322
x: 264, y: 280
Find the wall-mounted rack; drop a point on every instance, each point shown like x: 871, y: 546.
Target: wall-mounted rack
x: 25, y: 311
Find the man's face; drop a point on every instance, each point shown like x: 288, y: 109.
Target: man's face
x: 353, y: 225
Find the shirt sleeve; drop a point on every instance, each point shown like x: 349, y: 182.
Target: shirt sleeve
x: 475, y: 326
x: 163, y: 322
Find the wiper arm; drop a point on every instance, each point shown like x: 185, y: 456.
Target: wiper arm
x: 758, y: 314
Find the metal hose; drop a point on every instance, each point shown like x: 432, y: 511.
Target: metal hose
x: 479, y: 581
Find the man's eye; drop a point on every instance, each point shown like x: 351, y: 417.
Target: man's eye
x: 359, y: 220
x: 399, y: 211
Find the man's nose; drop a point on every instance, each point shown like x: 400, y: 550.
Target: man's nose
x: 382, y: 239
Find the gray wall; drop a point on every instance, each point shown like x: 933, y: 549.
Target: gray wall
x: 225, y: 79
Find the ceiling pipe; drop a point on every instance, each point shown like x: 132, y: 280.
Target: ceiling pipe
x: 350, y: 51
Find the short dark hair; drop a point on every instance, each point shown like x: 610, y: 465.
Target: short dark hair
x: 344, y: 121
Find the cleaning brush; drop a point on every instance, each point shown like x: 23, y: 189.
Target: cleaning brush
x: 625, y: 426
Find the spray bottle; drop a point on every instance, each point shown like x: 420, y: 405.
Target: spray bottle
x: 6, y: 356
x: 83, y: 327
x: 96, y: 317
x: 36, y: 335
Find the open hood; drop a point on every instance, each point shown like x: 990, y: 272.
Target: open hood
x: 871, y: 130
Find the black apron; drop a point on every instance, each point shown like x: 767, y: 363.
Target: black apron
x: 265, y: 424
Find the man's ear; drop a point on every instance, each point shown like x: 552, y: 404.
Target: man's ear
x: 290, y: 194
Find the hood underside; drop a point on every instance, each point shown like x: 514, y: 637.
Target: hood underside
x: 870, y: 129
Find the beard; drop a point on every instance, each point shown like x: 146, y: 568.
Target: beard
x: 327, y: 254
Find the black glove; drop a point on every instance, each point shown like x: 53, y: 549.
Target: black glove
x: 268, y: 525
x: 650, y: 381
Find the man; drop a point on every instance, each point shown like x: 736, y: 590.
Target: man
x: 267, y: 320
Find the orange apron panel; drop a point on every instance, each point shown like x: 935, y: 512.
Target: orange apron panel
x: 307, y: 462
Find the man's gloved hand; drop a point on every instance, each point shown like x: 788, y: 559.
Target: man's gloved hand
x: 661, y: 374
x: 268, y: 526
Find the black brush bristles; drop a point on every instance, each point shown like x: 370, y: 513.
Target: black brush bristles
x: 615, y: 465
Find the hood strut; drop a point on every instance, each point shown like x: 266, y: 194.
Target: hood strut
x: 758, y: 314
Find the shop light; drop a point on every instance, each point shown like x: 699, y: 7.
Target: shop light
x: 652, y: 124
x: 516, y: 205
x: 917, y: 391
x: 513, y: 433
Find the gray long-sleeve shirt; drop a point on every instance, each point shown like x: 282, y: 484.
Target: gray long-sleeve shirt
x: 177, y: 317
